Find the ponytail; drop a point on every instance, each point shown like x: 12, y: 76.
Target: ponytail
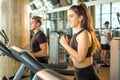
x: 89, y: 27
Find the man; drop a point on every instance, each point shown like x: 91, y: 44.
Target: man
x: 105, y: 39
x: 39, y: 44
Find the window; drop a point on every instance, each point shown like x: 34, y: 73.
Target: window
x: 115, y: 21
x: 115, y: 7
x: 97, y: 22
x: 105, y: 13
x: 105, y: 8
x: 105, y: 17
x: 115, y: 10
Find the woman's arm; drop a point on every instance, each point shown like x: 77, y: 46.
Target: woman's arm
x: 108, y: 35
x: 83, y: 44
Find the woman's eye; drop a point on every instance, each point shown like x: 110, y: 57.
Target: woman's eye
x: 71, y: 16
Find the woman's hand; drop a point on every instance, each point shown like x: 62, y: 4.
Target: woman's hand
x: 64, y: 40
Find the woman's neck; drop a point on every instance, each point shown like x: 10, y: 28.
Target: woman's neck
x: 78, y: 29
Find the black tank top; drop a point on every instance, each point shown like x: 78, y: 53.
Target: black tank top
x: 75, y: 44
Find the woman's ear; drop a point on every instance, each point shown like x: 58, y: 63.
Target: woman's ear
x: 80, y: 18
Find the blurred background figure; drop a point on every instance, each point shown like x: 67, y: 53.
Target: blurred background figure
x: 105, y: 40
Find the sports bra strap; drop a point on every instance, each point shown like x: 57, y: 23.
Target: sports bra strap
x: 79, y: 32
x: 74, y: 36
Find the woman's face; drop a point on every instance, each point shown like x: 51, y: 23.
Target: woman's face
x: 73, y: 19
x: 107, y: 25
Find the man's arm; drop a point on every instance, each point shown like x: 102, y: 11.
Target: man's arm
x: 43, y: 52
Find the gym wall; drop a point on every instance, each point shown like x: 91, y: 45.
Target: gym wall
x: 14, y: 20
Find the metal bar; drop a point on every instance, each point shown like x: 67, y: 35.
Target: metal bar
x: 5, y: 35
x: 20, y: 72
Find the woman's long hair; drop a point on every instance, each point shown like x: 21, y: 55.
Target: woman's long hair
x: 86, y: 23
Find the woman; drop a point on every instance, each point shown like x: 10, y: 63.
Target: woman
x: 84, y: 43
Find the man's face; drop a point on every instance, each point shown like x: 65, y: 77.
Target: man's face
x: 32, y: 24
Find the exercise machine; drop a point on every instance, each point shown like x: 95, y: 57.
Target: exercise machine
x: 114, y: 59
x: 23, y: 67
x: 56, y: 50
x: 30, y: 62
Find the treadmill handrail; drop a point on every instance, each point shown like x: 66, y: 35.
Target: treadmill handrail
x: 34, y: 65
x: 27, y: 58
x: 7, y: 52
